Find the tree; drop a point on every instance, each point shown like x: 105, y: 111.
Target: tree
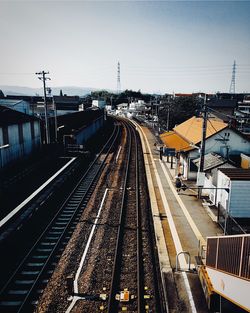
x: 176, y: 111
x: 124, y: 97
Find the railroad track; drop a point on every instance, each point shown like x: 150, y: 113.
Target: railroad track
x: 128, y: 290
x: 21, y: 292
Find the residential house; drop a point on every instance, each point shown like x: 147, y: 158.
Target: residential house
x: 99, y: 104
x: 122, y: 109
x: 220, y: 138
x: 223, y: 108
x: 242, y: 114
x: 138, y: 107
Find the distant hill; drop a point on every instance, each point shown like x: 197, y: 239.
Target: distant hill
x: 27, y: 91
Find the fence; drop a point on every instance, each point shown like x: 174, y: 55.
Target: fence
x: 230, y: 254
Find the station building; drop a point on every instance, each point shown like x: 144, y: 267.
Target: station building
x: 220, y: 139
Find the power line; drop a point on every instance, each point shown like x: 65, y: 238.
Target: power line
x: 6, y: 73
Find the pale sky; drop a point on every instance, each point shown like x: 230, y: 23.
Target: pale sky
x: 162, y: 46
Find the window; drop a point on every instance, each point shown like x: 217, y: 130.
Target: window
x: 192, y: 166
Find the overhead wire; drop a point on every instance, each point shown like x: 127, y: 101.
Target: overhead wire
x: 158, y: 69
x: 216, y: 130
x: 5, y: 73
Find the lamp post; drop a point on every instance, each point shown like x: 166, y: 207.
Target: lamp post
x: 57, y: 131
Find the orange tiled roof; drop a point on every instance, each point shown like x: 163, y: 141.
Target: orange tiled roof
x: 191, y: 130
x: 173, y: 140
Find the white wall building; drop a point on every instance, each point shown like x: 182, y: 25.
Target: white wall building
x: 99, y: 103
x: 137, y: 106
x: 225, y: 143
x: 235, y: 198
x: 186, y: 140
x: 122, y: 109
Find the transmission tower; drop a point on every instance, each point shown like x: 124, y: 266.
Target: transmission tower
x: 232, y: 85
x: 118, y: 78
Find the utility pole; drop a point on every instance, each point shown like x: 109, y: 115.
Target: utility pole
x: 204, y: 132
x: 168, y: 112
x: 44, y: 78
x: 55, y: 116
x: 203, y: 142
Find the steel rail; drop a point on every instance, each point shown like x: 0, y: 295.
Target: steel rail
x: 140, y: 268
x: 96, y: 166
x: 118, y: 257
x: 140, y: 276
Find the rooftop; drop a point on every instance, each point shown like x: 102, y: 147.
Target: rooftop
x: 236, y: 173
x: 222, y: 103
x: 9, y: 102
x: 173, y: 140
x: 66, y: 99
x: 10, y: 117
x: 191, y: 130
x: 212, y: 160
x: 76, y: 121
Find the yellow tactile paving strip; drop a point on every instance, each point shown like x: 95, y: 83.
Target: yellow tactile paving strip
x: 164, y: 265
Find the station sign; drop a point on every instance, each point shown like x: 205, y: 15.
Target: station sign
x: 169, y: 152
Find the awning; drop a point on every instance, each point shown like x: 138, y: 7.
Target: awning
x: 172, y: 140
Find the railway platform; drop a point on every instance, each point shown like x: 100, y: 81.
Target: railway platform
x: 182, y: 224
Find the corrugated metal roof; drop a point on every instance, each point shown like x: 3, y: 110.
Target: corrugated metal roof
x: 226, y: 165
x: 10, y: 117
x: 9, y: 102
x: 211, y: 160
x: 236, y: 173
x: 172, y: 140
x: 79, y: 120
x: 223, y: 103
x: 67, y: 100
x: 191, y: 130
